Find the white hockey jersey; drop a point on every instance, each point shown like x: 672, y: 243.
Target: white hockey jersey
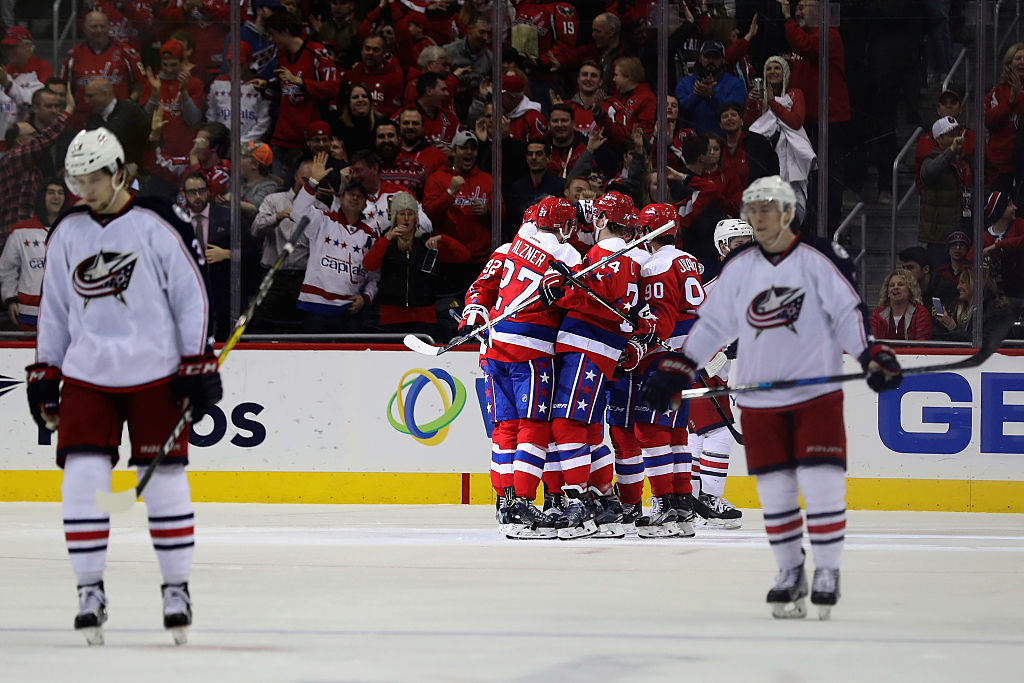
x: 21, y: 268
x: 793, y: 313
x: 334, y: 271
x: 124, y: 301
x: 254, y: 113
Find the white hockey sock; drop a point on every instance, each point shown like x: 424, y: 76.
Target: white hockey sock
x: 824, y: 491
x: 86, y: 528
x: 783, y: 521
x: 713, y: 468
x: 169, y: 505
x: 696, y: 442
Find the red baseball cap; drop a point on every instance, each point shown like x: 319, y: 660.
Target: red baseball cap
x: 173, y: 48
x: 318, y: 128
x: 15, y: 35
x: 512, y: 83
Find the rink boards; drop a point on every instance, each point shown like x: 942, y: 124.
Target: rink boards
x: 347, y: 424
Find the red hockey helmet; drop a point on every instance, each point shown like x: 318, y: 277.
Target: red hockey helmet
x: 614, y: 207
x: 557, y: 215
x: 656, y: 215
x: 530, y: 215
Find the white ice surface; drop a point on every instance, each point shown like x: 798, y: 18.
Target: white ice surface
x: 318, y: 594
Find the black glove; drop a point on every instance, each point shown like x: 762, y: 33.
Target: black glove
x: 884, y: 371
x: 198, y: 380
x: 552, y: 288
x: 43, y: 384
x: 672, y: 373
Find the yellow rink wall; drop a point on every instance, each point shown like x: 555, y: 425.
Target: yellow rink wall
x: 351, y: 424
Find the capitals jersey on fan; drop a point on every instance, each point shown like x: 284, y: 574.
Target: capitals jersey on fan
x: 591, y: 329
x: 125, y: 300
x: 21, y: 268
x: 119, y: 64
x: 300, y: 103
x: 793, y: 313
x: 530, y: 333
x: 556, y: 25
x: 334, y: 271
x: 670, y: 284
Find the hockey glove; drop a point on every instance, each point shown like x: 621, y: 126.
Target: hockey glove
x: 472, y: 316
x: 636, y: 349
x: 198, y: 380
x: 644, y: 322
x: 43, y: 384
x: 552, y: 288
x: 883, y: 370
x: 672, y: 373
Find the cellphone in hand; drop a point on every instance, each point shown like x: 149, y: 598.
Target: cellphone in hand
x: 937, y: 304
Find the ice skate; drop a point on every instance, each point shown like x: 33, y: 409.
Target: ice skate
x: 92, y: 612
x: 527, y: 522
x: 787, y: 595
x: 608, y: 517
x: 630, y: 513
x: 716, y: 511
x: 686, y: 518
x: 660, y: 522
x: 503, y: 510
x: 554, y: 504
x: 825, y: 591
x: 578, y: 519
x: 177, y: 610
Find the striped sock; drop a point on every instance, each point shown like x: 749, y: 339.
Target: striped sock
x: 783, y: 521
x: 824, y: 491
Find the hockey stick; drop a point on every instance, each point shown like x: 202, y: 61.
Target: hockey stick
x: 562, y: 269
x: 458, y: 318
x: 121, y: 501
x: 419, y: 346
x: 999, y: 328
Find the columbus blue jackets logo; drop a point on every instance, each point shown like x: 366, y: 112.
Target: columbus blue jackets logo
x: 775, y: 307
x: 107, y: 273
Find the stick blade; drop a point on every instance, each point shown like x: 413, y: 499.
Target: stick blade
x: 416, y: 344
x: 119, y: 501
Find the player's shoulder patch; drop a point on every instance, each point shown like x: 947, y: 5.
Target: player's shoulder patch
x: 61, y: 219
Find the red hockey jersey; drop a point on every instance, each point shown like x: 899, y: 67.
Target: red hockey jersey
x: 557, y: 26
x: 299, y: 103
x: 385, y: 85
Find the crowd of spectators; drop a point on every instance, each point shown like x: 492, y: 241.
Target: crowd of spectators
x: 376, y: 120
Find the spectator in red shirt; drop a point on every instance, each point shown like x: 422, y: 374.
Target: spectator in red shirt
x: 433, y: 59
x: 1003, y: 244
x: 306, y: 79
x: 567, y: 144
x: 101, y: 56
x: 179, y: 94
x: 526, y: 121
x: 408, y: 173
x: 1003, y: 114
x: 440, y: 124
x: 414, y: 145
x: 901, y: 314
x: 383, y: 79
x: 958, y: 244
x: 29, y: 71
x: 207, y: 156
x: 802, y: 35
x: 208, y: 21
x: 632, y: 105
x: 458, y: 201
x: 746, y: 155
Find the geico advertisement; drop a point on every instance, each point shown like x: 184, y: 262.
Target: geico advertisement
x: 395, y: 411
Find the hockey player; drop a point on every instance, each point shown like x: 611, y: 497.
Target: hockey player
x: 792, y: 302
x: 670, y: 288
x: 123, y: 321
x: 520, y: 362
x: 710, y: 438
x: 590, y: 342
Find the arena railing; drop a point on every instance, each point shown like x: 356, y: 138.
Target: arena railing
x: 858, y: 260
x: 71, y: 26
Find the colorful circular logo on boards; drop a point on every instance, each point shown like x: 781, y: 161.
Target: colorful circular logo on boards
x: 412, y: 384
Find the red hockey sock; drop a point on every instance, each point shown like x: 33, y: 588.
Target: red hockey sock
x: 601, y: 461
x: 629, y: 465
x: 531, y: 452
x: 503, y: 449
x: 681, y: 461
x: 573, y: 452
x: 659, y: 463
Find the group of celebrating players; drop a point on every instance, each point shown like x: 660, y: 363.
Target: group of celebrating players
x: 615, y: 335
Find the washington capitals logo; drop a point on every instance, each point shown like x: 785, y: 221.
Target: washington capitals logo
x: 105, y: 274
x: 776, y: 307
